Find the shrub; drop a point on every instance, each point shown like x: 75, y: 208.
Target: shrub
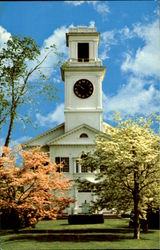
x: 85, y: 219
x: 152, y: 222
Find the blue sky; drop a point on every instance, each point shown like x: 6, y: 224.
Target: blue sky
x: 129, y: 48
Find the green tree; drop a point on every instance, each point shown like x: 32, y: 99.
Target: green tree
x: 4, y: 107
x: 16, y: 87
x: 127, y: 169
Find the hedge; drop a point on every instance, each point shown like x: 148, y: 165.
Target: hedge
x: 85, y: 219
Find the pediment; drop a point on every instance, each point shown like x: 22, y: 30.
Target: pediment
x: 44, y: 138
x: 74, y: 136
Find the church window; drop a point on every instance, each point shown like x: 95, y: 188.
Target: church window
x: 77, y: 166
x: 83, y: 52
x: 65, y: 163
x: 86, y: 190
x: 83, y: 135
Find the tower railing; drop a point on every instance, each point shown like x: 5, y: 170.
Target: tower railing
x: 86, y: 60
x: 83, y: 59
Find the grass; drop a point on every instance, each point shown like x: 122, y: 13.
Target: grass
x: 113, y: 234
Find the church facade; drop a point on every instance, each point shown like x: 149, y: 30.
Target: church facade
x: 83, y: 75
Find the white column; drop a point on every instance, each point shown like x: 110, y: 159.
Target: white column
x: 79, y: 169
x: 74, y: 166
x: 75, y: 50
x: 70, y: 165
x: 99, y: 92
x: 70, y: 50
x: 75, y: 209
x: 95, y: 50
x: 66, y: 92
x: 91, y: 51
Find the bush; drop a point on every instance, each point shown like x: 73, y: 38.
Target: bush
x: 153, y: 219
x: 10, y: 219
x: 152, y: 222
x: 85, y: 219
x: 125, y: 215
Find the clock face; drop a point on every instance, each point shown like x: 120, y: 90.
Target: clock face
x: 83, y: 88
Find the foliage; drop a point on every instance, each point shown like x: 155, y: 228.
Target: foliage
x: 127, y: 168
x: 33, y: 191
x: 16, y: 86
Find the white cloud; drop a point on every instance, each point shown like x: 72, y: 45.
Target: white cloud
x: 146, y: 61
x: 55, y: 117
x: 100, y: 6
x: 19, y: 141
x: 107, y: 39
x: 136, y: 97
x: 58, y: 38
x: 48, y: 67
x: 112, y: 37
x: 15, y: 142
x: 4, y: 36
x: 75, y: 3
x: 140, y: 94
x: 125, y: 33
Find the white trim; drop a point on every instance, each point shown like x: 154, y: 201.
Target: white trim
x: 43, y: 134
x: 72, y: 131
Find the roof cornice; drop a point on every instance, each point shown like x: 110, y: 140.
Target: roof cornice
x: 72, y: 131
x: 68, y: 68
x: 93, y: 34
x: 43, y: 134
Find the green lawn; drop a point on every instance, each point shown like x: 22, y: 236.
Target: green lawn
x: 113, y: 234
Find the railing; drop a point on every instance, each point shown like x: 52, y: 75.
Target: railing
x: 86, y: 60
x: 83, y: 59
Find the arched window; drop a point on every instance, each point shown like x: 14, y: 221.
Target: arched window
x: 83, y: 135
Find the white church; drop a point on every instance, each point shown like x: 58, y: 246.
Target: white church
x: 83, y: 75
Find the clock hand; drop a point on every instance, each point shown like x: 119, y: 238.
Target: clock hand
x: 82, y: 87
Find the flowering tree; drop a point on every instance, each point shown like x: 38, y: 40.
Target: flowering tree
x: 127, y: 165
x: 33, y: 191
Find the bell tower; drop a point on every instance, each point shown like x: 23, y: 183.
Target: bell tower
x: 83, y: 74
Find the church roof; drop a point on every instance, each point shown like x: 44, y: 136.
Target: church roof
x: 45, y: 137
x: 57, y: 136
x: 72, y: 137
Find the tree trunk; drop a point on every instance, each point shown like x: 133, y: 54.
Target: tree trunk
x: 136, y: 223
x: 9, y: 132
x: 7, y: 141
x: 136, y: 209
x: 12, y: 111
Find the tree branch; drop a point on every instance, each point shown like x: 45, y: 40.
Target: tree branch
x: 25, y: 191
x: 27, y: 77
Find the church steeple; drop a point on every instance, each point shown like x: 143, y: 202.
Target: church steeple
x: 83, y: 44
x: 83, y: 74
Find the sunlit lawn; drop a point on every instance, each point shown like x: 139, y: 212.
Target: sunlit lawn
x: 113, y: 234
